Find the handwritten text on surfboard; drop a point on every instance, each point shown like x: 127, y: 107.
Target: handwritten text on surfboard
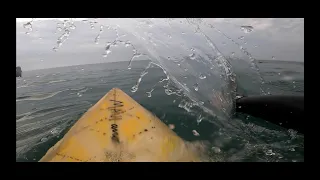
x: 115, y: 110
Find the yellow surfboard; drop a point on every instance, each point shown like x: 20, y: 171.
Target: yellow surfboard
x: 118, y: 129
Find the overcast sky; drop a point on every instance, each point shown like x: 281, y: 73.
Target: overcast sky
x: 270, y: 39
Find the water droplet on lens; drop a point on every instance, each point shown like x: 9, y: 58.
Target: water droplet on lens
x: 44, y: 139
x: 27, y: 33
x: 246, y: 29
x: 202, y: 76
x: 127, y: 45
x: 168, y: 92
x: 195, y: 133
x: 192, y: 56
x: 134, y: 88
x: 216, y: 149
x: 192, y: 49
x: 199, y: 119
x: 27, y: 25
x: 72, y: 27
x: 292, y: 149
x: 195, y: 86
x: 171, y: 126
x: 108, y: 51
x: 270, y: 153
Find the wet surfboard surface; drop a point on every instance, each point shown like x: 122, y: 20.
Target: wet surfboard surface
x: 118, y: 129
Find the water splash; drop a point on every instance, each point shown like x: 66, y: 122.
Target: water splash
x: 67, y: 26
x: 143, y: 73
x: 292, y: 133
x: 184, y: 104
x: 253, y: 64
x: 127, y: 44
x: 149, y: 93
x: 96, y: 40
x: 135, y: 53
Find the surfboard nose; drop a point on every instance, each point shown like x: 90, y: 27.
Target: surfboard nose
x: 117, y: 128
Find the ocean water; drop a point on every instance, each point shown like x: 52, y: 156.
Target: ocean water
x: 50, y: 101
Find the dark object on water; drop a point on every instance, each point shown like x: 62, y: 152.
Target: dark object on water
x: 18, y: 71
x: 285, y: 111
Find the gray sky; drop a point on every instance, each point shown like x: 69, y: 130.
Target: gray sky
x: 282, y: 39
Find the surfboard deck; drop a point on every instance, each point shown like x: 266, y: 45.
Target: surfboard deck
x: 118, y: 129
